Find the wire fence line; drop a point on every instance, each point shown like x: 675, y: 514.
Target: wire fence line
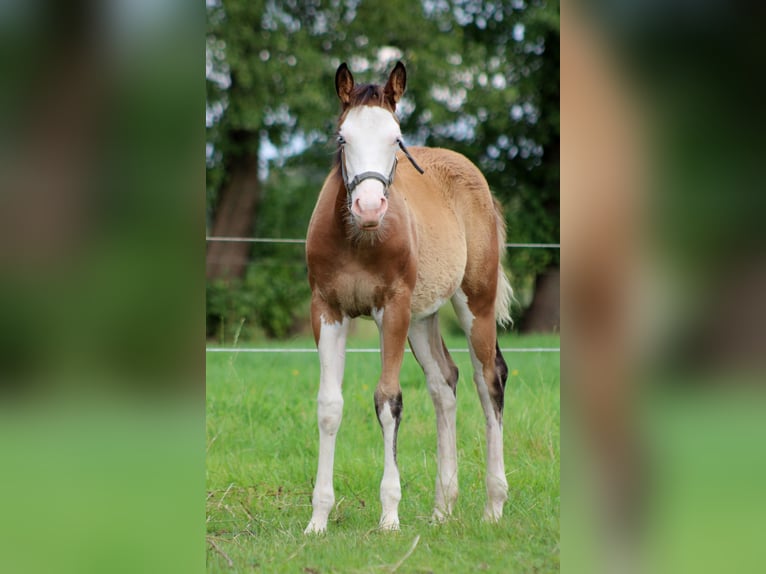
x: 365, y: 350
x: 254, y: 240
x: 277, y: 240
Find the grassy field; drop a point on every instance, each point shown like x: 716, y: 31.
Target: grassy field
x: 261, y: 460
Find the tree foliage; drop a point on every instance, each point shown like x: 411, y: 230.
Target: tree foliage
x: 482, y: 80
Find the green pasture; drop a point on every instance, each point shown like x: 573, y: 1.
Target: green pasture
x: 261, y: 460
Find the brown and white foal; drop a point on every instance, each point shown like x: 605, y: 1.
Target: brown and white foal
x: 391, y: 242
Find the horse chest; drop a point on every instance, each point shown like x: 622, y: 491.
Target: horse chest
x: 355, y: 293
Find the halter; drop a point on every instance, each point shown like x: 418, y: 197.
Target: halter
x: 359, y: 178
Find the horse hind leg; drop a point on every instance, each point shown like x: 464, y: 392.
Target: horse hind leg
x: 441, y: 377
x: 490, y: 374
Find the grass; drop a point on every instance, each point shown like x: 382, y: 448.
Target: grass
x: 261, y: 461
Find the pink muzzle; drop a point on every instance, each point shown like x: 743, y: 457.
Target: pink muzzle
x: 368, y: 205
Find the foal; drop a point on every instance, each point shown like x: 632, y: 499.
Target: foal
x: 395, y: 241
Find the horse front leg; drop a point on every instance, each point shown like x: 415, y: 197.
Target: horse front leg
x: 393, y: 323
x: 330, y: 333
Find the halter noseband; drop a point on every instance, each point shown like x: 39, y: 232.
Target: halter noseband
x: 359, y: 178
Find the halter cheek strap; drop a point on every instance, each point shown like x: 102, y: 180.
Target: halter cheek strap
x: 409, y: 157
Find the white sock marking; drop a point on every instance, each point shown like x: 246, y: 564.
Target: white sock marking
x: 445, y: 406
x: 497, y: 484
x: 390, y: 487
x: 332, y: 352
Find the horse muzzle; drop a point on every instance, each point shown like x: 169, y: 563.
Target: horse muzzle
x: 368, y: 206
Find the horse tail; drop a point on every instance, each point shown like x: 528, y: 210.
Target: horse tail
x: 504, y: 294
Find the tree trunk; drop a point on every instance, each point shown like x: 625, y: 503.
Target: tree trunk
x: 543, y: 314
x: 234, y: 217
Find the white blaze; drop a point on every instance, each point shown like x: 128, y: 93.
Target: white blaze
x: 371, y: 135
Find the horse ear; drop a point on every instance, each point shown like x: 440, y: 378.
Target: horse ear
x: 344, y: 83
x: 396, y: 84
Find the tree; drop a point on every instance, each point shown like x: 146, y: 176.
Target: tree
x: 482, y: 80
x: 264, y: 70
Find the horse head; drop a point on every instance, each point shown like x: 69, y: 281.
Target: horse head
x: 368, y: 137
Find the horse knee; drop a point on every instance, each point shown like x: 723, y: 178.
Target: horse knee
x: 330, y: 412
x: 394, y: 405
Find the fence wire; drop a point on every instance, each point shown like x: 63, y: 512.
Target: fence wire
x: 302, y: 241
x: 368, y: 350
x: 277, y: 240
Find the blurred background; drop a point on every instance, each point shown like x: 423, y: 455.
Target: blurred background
x: 101, y: 286
x: 664, y: 275
x: 482, y: 79
x: 102, y: 263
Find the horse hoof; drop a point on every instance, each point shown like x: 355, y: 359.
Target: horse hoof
x: 439, y: 517
x: 389, y: 524
x: 314, y: 528
x: 493, y: 515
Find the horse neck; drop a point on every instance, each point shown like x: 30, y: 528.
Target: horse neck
x: 393, y: 231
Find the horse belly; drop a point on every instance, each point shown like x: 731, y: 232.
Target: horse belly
x: 440, y: 273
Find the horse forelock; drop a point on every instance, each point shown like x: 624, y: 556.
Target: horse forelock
x: 370, y: 95
x: 367, y: 95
